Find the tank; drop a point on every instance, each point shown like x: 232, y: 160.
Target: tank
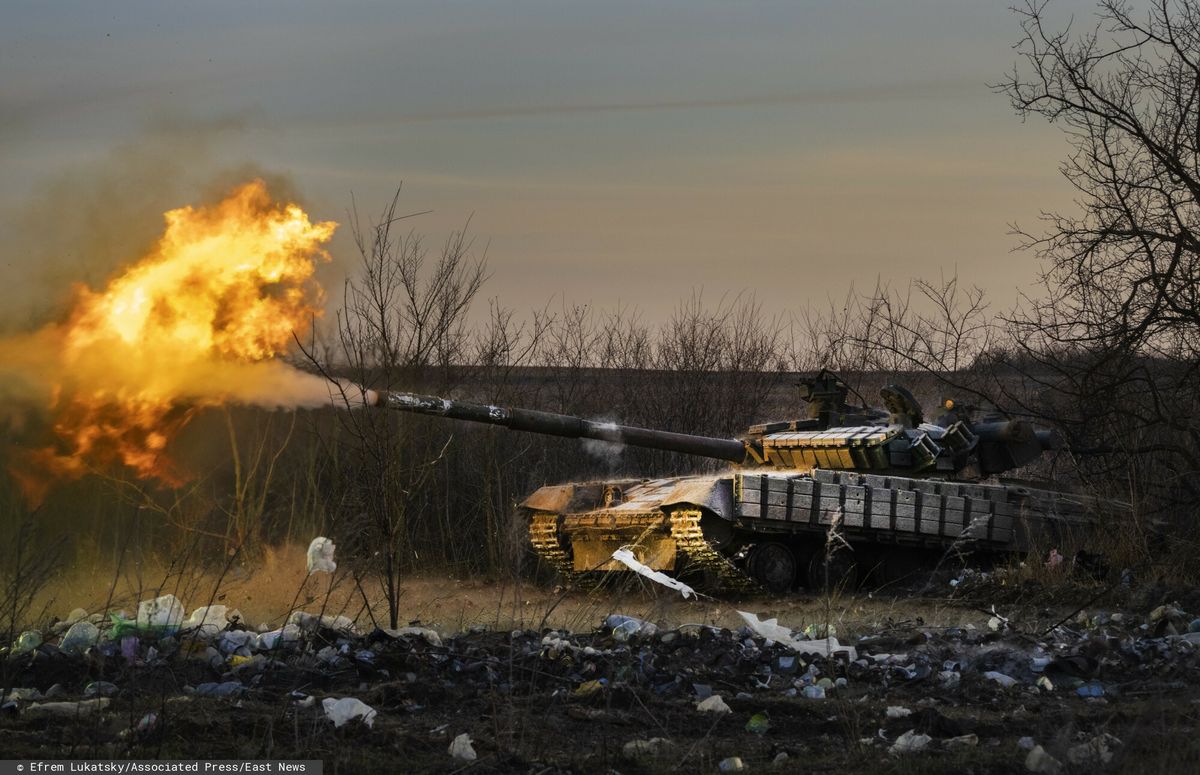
x: 840, y: 495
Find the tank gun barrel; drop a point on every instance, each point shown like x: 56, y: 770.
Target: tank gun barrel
x: 553, y: 424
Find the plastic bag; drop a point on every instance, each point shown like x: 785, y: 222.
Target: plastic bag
x: 320, y: 556
x: 161, y: 615
x: 626, y: 627
x: 79, y: 638
x: 347, y: 708
x: 26, y: 642
x: 461, y: 748
x: 207, y: 620
x: 772, y: 630
x: 626, y: 558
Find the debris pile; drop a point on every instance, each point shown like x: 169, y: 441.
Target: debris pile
x: 903, y: 690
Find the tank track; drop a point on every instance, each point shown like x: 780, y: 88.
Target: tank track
x: 543, y: 537
x: 694, y: 552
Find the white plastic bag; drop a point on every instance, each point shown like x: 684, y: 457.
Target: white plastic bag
x: 348, y: 708
x: 164, y: 611
x: 289, y: 633
x: 461, y: 748
x: 207, y: 620
x: 626, y: 558
x: 320, y: 556
x: 713, y: 704
x: 772, y: 630
x: 910, y: 742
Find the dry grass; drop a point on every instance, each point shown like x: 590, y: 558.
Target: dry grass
x: 267, y: 590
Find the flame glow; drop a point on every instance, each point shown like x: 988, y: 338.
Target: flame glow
x: 197, y: 322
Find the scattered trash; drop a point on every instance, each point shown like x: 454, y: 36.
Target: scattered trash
x: 732, y: 764
x: 206, y: 621
x: 626, y: 558
x: 460, y: 747
x: 645, y: 749
x: 66, y: 709
x: 949, y: 678
x: 23, y: 694
x: 273, y: 639
x: 81, y: 636
x: 759, y: 723
x: 1006, y: 681
x: 1055, y: 560
x: 1168, y: 620
x: 346, y: 709
x: 626, y: 627
x: 310, y: 623
x: 820, y: 631
x: 161, y: 615
x: 236, y: 642
x: 100, y: 689
x: 320, y: 556
x: 26, y: 642
x: 219, y: 689
x: 144, y: 726
x: 1039, y: 761
x: 910, y: 742
x: 1098, y: 750
x: 713, y: 704
x: 429, y: 635
x: 588, y: 688
x: 771, y: 630
x: 903, y: 674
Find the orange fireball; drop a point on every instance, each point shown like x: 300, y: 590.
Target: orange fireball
x: 194, y: 323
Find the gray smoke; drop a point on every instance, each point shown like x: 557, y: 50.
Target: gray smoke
x: 82, y: 224
x: 606, y: 452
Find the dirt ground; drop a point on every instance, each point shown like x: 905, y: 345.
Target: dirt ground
x: 266, y: 590
x: 540, y: 686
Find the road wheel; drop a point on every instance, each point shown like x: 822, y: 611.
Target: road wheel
x: 773, y: 565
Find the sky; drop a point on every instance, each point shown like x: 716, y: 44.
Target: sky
x: 603, y: 153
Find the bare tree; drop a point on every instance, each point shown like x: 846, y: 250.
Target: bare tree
x: 1115, y: 336
x: 935, y: 335
x: 402, y: 326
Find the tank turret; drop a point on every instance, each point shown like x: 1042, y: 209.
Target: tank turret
x: 833, y: 436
